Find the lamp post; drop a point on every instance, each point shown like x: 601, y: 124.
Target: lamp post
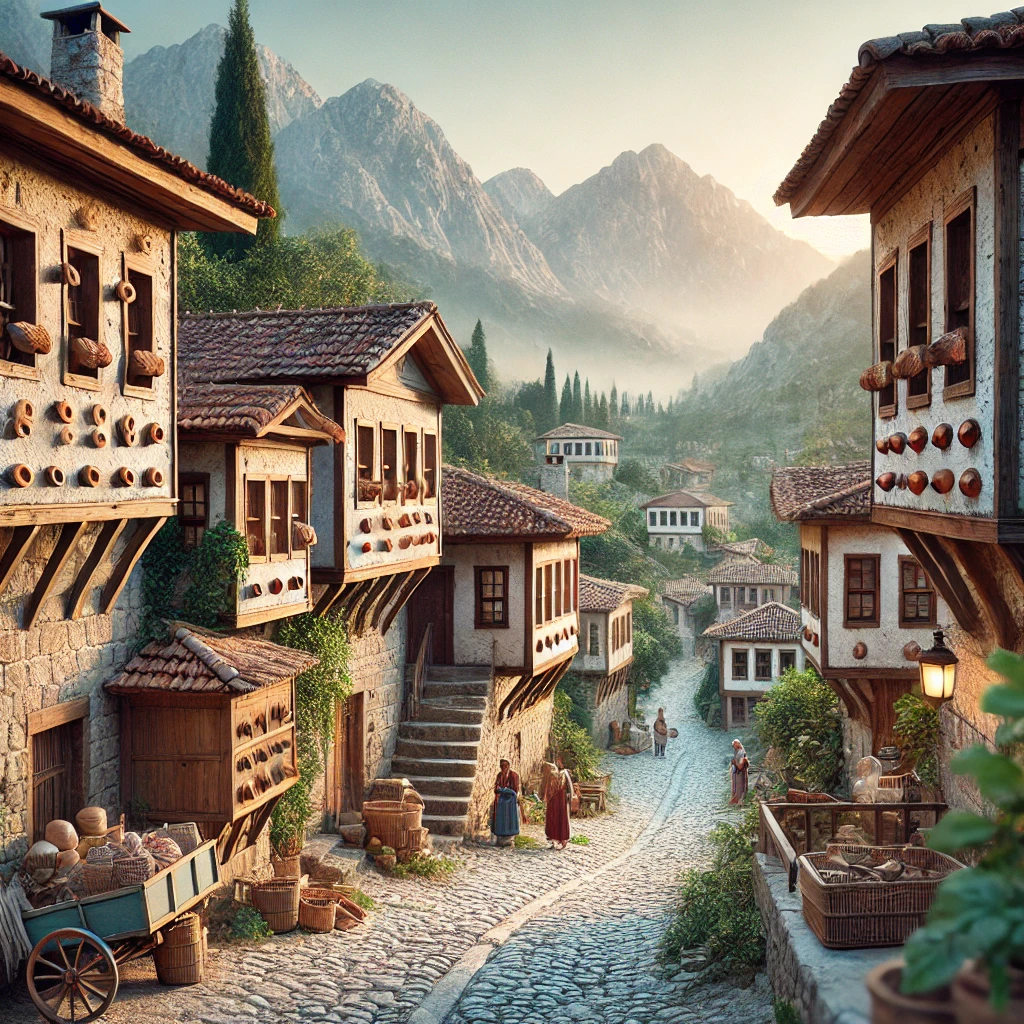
x: 938, y: 670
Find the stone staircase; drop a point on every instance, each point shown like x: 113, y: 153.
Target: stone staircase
x: 437, y: 751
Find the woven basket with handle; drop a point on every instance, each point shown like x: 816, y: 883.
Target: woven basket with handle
x: 316, y: 915
x: 186, y: 835
x: 391, y: 820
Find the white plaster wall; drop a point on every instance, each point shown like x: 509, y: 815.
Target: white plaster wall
x: 569, y: 622
x: 970, y: 163
x: 584, y: 660
x: 679, y: 528
x: 472, y: 645
x: 750, y: 685
x: 321, y: 508
x: 51, y: 203
x: 810, y: 538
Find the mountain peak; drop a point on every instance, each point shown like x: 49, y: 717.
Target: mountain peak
x: 519, y: 193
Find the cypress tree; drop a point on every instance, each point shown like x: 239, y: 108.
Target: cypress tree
x: 241, y: 149
x: 624, y: 411
x: 588, y: 406
x: 565, y: 403
x: 577, y: 399
x: 477, y: 356
x: 550, y: 408
x: 613, y: 405
x: 650, y: 403
x: 602, y: 412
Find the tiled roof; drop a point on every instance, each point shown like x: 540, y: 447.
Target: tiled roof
x: 575, y: 430
x: 752, y: 548
x: 199, y: 661
x: 478, y: 506
x: 820, y: 492
x: 999, y: 32
x: 772, y: 621
x: 693, y: 466
x: 685, y: 590
x: 684, y: 499
x: 139, y: 144
x: 294, y: 343
x: 248, y: 409
x: 597, y: 595
x: 753, y: 572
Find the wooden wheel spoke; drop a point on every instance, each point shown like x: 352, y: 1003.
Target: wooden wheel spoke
x: 83, y: 995
x: 64, y: 956
x: 60, y: 997
x: 78, y: 953
x: 49, y: 977
x: 93, y: 989
x: 49, y: 963
x: 91, y: 965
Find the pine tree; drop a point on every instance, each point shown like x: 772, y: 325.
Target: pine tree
x: 550, y: 409
x: 577, y: 399
x: 588, y: 408
x: 565, y: 403
x: 241, y: 148
x: 650, y: 404
x: 601, y: 417
x: 476, y: 355
x: 613, y: 404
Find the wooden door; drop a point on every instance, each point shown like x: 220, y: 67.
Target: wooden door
x: 349, y: 771
x: 434, y: 601
x: 57, y: 775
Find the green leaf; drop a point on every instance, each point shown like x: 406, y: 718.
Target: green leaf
x: 960, y: 830
x: 999, y: 779
x: 930, y: 963
x: 1010, y: 732
x: 1010, y: 666
x: 1007, y: 701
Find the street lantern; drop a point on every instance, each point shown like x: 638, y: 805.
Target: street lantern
x: 938, y: 670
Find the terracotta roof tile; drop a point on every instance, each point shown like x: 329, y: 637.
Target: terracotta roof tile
x: 597, y: 595
x: 198, y: 660
x: 686, y: 499
x: 772, y: 621
x: 140, y: 144
x: 753, y: 572
x: 752, y: 548
x: 821, y: 492
x: 685, y: 590
x: 575, y: 430
x: 479, y: 506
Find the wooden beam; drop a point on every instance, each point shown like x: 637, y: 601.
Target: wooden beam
x: 15, y: 552
x: 326, y: 600
x: 373, y: 594
x: 414, y: 579
x: 55, y: 515
x: 67, y: 541
x: 513, y: 695
x: 394, y: 586
x: 954, y: 591
x: 985, y: 583
x: 145, y: 531
x: 101, y: 549
x: 351, y: 606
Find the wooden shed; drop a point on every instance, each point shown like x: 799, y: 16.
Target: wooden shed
x: 208, y: 732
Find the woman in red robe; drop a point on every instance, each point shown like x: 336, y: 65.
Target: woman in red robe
x: 557, y: 796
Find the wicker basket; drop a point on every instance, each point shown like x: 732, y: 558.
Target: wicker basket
x: 316, y: 914
x: 133, y: 870
x: 417, y: 838
x: 845, y: 914
x: 186, y: 835
x: 277, y: 900
x: 286, y: 867
x: 98, y: 876
x: 181, y: 957
x: 391, y: 820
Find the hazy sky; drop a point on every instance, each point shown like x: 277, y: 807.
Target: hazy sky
x: 734, y: 88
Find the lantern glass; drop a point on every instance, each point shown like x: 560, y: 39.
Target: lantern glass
x: 938, y: 670
x: 933, y: 680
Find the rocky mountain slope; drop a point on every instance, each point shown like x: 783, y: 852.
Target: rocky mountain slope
x: 24, y: 36
x: 521, y: 196
x: 169, y: 92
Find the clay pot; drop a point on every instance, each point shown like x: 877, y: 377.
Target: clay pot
x: 126, y: 428
x: 860, y: 650
x: 942, y: 481
x: 125, y: 291
x: 125, y: 477
x: 942, y: 436
x: 66, y: 435
x: 286, y: 867
x: 63, y: 411
x: 897, y: 443
x: 887, y: 481
x: 62, y: 834
x: 99, y: 439
x: 276, y: 586
x: 98, y: 414
x: 365, y: 526
x: 969, y: 433
x: 69, y: 275
x: 970, y: 483
x: 155, y: 433
x: 917, y: 481
x: 21, y: 475
x: 386, y: 544
x: 153, y: 477
x: 54, y: 476
x: 31, y: 338
x: 882, y: 446
x: 144, y: 243
x: 91, y: 821
x: 89, y: 476
x: 917, y: 439
x: 971, y: 994
x: 22, y: 416
x: 890, y: 1006
x: 911, y: 650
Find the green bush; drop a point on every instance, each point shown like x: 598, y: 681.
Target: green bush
x: 579, y: 689
x: 800, y: 718
x: 703, y: 611
x: 218, y: 564
x: 655, y: 644
x: 248, y: 925
x: 421, y: 866
x: 707, y: 699
x: 571, y: 742
x: 785, y: 1012
x: 917, y: 727
x: 362, y: 900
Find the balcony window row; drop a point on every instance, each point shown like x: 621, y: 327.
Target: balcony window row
x: 743, y: 596
x: 762, y: 663
x: 556, y: 590
x: 272, y: 504
x: 394, y: 464
x: 583, y: 448
x: 862, y: 589
x: 622, y: 631
x: 671, y: 518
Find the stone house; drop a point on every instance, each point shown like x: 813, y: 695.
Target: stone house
x: 679, y: 518
x: 740, y: 586
x: 498, y: 624
x: 89, y: 217
x: 605, y: 653
x: 679, y: 597
x: 754, y: 651
x: 382, y: 374
x: 866, y: 606
x: 926, y: 139
x: 590, y: 453
x: 688, y: 474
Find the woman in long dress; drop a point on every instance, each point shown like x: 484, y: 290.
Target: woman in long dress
x: 558, y: 797
x: 739, y: 766
x: 505, y: 812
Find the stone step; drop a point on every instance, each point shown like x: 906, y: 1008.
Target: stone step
x: 458, y: 673
x: 444, y: 825
x: 448, y: 711
x: 445, y: 806
x: 444, y: 749
x: 439, y: 732
x: 440, y: 785
x: 435, y: 767
x: 455, y: 688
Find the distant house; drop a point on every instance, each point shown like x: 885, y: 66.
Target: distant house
x: 689, y: 474
x: 591, y: 454
x: 679, y: 518
x: 741, y: 586
x: 754, y: 651
x: 752, y: 550
x: 866, y: 604
x: 679, y: 597
x: 605, y: 653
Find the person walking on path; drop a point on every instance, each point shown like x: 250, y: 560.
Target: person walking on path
x: 558, y: 798
x: 659, y: 733
x: 505, y: 812
x: 739, y: 768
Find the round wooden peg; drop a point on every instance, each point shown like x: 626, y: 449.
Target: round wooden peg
x: 917, y: 481
x: 970, y: 483
x: 942, y: 436
x: 887, y: 481
x: 897, y: 443
x: 942, y: 481
x: 882, y: 446
x: 969, y: 433
x: 918, y: 439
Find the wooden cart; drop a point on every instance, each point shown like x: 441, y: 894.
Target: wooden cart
x: 72, y: 972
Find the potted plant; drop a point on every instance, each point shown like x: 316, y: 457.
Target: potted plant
x: 890, y: 1006
x: 974, y: 936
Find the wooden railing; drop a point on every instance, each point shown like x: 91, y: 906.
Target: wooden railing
x: 787, y: 830
x: 414, y: 692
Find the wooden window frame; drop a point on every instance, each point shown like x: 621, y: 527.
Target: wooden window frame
x: 30, y: 314
x: 256, y: 478
x: 745, y: 652
x: 652, y: 517
x: 276, y: 478
x: 759, y: 653
x: 141, y: 265
x: 557, y: 590
x: 84, y: 242
x: 873, y: 622
x: 375, y: 475
x: 193, y: 479
x: 629, y: 626
x: 921, y: 237
x: 538, y: 598
x: 740, y: 702
x: 410, y: 431
x: 479, y: 599
x: 567, y: 595
x: 663, y: 517
x: 890, y: 263
x: 52, y: 718
x: 399, y: 462
x: 593, y: 640
x: 917, y: 623
x: 966, y: 201
x: 433, y: 499
x: 787, y: 654
x: 549, y: 597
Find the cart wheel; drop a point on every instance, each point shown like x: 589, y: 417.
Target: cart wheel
x: 72, y: 976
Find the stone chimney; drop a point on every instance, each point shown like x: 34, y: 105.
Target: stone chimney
x: 554, y: 476
x: 87, y: 58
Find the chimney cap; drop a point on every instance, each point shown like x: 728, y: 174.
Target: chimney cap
x: 110, y: 23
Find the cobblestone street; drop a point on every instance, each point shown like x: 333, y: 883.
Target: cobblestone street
x: 589, y: 956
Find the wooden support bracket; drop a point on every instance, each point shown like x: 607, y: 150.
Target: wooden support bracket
x: 985, y: 583
x: 940, y: 568
x: 101, y: 549
x: 413, y: 580
x: 15, y: 552
x: 326, y: 600
x: 67, y: 541
x: 373, y: 595
x: 394, y: 586
x: 145, y: 531
x: 505, y: 710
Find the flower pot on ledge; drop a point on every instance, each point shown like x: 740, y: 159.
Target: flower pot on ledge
x: 890, y: 1006
x: 972, y: 997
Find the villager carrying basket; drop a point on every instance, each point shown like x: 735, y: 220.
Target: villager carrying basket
x: 277, y: 900
x: 391, y: 820
x: 847, y: 914
x: 181, y: 958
